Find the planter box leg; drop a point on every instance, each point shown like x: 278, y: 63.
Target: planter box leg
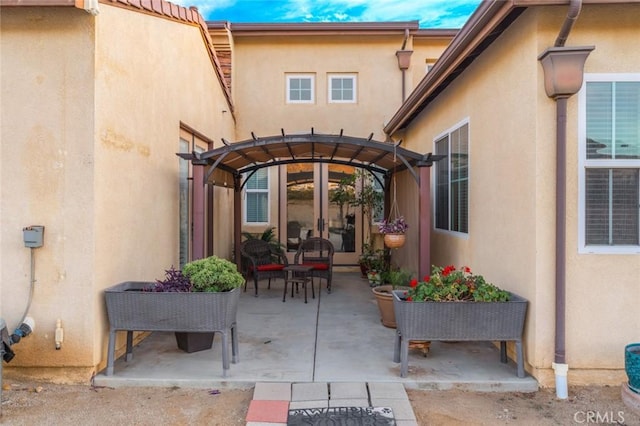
x: 235, y: 356
x: 111, y: 349
x: 404, y: 357
x: 396, y: 348
x: 503, y: 352
x: 225, y: 354
x: 520, y: 357
x: 129, y: 355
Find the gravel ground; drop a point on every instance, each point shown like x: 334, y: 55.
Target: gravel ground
x: 30, y: 403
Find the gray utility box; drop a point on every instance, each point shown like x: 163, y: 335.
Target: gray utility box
x: 33, y: 236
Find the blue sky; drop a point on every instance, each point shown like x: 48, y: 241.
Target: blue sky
x: 430, y: 13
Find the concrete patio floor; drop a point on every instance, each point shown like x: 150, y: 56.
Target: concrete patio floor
x: 335, y: 337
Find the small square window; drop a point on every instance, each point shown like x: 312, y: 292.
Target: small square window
x: 300, y: 89
x: 342, y: 88
x: 429, y: 63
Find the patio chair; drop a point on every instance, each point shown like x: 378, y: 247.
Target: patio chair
x: 262, y: 261
x: 317, y: 252
x: 293, y: 235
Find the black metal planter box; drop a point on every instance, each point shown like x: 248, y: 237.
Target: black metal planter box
x: 132, y: 309
x: 458, y: 321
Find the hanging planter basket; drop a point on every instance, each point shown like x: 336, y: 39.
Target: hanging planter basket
x: 394, y: 226
x: 394, y: 240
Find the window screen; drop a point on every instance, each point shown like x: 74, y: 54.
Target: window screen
x: 257, y: 197
x: 611, y: 187
x: 452, y: 181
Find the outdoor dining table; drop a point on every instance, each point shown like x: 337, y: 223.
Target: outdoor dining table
x: 297, y: 274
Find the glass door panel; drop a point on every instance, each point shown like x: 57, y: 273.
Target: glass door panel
x: 300, y: 209
x: 317, y: 204
x: 343, y: 231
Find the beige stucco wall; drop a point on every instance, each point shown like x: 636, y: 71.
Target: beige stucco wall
x: 47, y: 179
x: 93, y: 159
x: 260, y: 66
x: 511, y: 237
x: 259, y: 84
x: 426, y: 50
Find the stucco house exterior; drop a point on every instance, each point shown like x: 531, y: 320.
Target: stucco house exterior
x: 99, y: 96
x: 496, y: 116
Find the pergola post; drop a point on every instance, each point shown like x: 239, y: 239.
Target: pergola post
x: 424, y: 222
x: 197, y: 240
x: 237, y: 220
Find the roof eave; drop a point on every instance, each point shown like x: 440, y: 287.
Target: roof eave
x: 321, y: 28
x: 480, y: 24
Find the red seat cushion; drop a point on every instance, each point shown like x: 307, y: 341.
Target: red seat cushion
x: 271, y: 267
x: 318, y: 266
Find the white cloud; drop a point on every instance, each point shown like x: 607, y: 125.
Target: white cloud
x: 430, y: 13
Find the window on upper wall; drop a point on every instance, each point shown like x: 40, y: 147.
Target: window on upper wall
x: 342, y: 88
x: 256, y: 205
x: 429, y: 64
x: 300, y: 89
x: 609, y: 172
x: 452, y: 180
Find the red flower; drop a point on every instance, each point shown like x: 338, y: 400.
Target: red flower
x: 414, y: 282
x: 466, y: 269
x: 447, y: 270
x: 410, y: 299
x: 426, y: 278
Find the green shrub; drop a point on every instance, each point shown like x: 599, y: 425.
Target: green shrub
x: 213, y: 274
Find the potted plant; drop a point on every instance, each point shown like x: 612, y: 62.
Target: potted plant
x: 375, y: 277
x: 368, y: 198
x: 371, y: 260
x: 208, y: 304
x: 393, y: 230
x: 176, y: 282
x: 268, y: 235
x: 632, y: 366
x: 393, y: 279
x: 456, y: 305
x: 343, y: 195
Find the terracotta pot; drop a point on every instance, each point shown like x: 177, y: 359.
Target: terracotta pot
x: 384, y: 297
x: 394, y: 240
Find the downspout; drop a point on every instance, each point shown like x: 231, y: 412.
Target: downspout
x: 572, y: 16
x: 560, y: 365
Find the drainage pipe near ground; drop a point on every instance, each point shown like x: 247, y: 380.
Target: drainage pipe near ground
x: 563, y: 75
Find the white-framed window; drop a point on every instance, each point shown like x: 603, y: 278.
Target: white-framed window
x: 378, y: 186
x: 429, y: 63
x: 185, y: 190
x: 300, y: 88
x: 184, y: 201
x: 452, y: 180
x: 342, y: 88
x: 609, y: 163
x: 256, y: 200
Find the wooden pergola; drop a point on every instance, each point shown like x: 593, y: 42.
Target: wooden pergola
x: 225, y: 166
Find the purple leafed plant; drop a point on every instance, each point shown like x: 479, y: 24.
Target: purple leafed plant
x: 174, y: 281
x: 393, y: 226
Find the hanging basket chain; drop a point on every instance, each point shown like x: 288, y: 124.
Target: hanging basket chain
x: 394, y: 240
x: 394, y: 213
